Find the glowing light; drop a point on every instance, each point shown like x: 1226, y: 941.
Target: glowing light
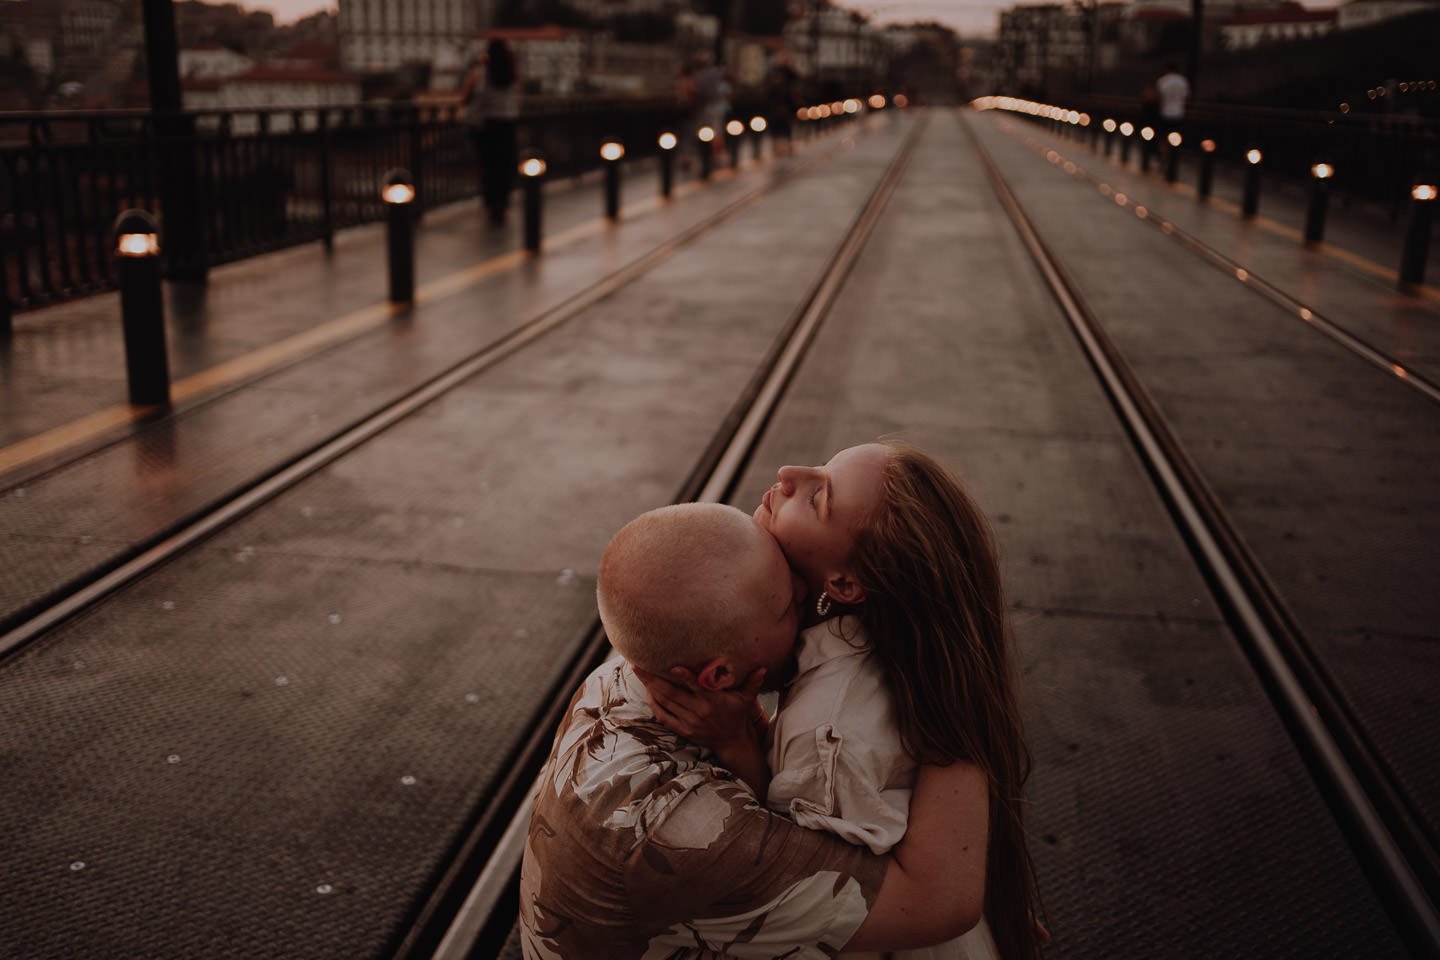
x: 1423, y: 191
x: 1121, y: 199
x: 533, y: 167
x: 1305, y: 314
x: 823, y: 111
x: 877, y: 101
x: 1109, y: 125
x: 1167, y: 227
x: 611, y: 150
x: 1399, y: 371
x: 1084, y: 119
x: 1105, y: 190
x: 1344, y: 108
x: 901, y: 100
x: 668, y: 141
x: 1147, y: 134
x: 398, y: 193
x: 1253, y: 156
x: 1052, y: 156
x: 1127, y: 128
x: 1141, y: 212
x: 1322, y: 171
x: 138, y: 245
x: 1207, y: 145
x: 1070, y: 168
x: 852, y: 106
x: 804, y: 113
x: 1174, y: 139
x: 1242, y: 274
x: 838, y: 106
x: 705, y: 134
x: 758, y: 124
x: 734, y: 128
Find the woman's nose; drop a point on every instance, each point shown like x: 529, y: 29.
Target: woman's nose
x: 789, y: 477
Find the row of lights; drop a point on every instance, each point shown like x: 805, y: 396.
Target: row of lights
x: 1422, y: 193
x: 137, y: 238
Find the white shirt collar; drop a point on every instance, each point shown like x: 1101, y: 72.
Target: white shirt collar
x: 829, y: 640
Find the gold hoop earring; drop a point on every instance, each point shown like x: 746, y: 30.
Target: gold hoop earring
x: 822, y: 605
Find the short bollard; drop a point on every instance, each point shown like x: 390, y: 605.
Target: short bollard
x: 1250, y: 205
x: 1207, y: 168
x: 667, y: 142
x: 1417, y: 233
x: 612, y: 151
x: 757, y: 132
x: 1126, y: 129
x: 398, y: 194
x: 532, y: 172
x: 1110, y: 128
x: 1172, y: 159
x: 705, y: 136
x: 1147, y: 148
x: 142, y: 308
x: 1320, y: 173
x: 735, y: 130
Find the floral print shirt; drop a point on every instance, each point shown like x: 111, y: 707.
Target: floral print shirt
x: 641, y: 848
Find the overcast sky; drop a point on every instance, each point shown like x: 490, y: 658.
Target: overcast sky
x: 967, y: 16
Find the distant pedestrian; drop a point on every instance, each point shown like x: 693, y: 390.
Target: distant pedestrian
x: 1149, y: 117
x: 1174, y: 92
x: 712, y: 91
x: 491, y: 95
x: 687, y: 95
x: 781, y: 100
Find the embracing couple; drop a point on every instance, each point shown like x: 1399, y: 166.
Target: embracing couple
x: 880, y: 809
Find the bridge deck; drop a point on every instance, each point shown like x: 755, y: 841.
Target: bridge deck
x: 270, y: 744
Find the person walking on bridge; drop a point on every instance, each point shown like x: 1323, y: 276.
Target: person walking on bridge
x: 491, y: 97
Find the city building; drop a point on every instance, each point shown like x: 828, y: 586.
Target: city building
x: 1363, y: 13
x: 382, y: 35
x: 1287, y: 22
x: 550, y: 60
x: 836, y: 48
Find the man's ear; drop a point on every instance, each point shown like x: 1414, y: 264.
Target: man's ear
x: 843, y: 588
x: 716, y: 674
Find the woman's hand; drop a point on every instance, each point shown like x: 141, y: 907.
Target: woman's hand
x: 715, y: 719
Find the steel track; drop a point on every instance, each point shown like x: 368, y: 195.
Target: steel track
x: 1363, y: 792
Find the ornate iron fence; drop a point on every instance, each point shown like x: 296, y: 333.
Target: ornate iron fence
x: 242, y: 183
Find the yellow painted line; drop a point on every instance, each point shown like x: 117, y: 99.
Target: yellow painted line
x: 273, y: 355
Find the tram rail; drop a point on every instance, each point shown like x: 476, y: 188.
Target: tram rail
x: 1367, y: 796
x: 482, y: 923
x: 24, y: 625
x: 1309, y: 313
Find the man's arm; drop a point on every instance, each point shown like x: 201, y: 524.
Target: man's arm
x: 934, y: 888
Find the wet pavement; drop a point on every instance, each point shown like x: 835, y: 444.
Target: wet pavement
x: 270, y: 744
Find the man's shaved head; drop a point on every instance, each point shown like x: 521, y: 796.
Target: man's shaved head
x: 685, y: 583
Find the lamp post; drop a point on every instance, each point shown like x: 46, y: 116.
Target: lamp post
x: 398, y: 194
x: 612, y: 151
x: 1251, y: 203
x: 532, y: 173
x: 1207, y: 168
x: 734, y: 130
x: 1321, y: 171
x: 1126, y: 129
x: 1417, y: 232
x: 705, y: 136
x: 757, y: 132
x: 1109, y: 127
x: 142, y: 308
x: 1172, y: 159
x: 667, y: 142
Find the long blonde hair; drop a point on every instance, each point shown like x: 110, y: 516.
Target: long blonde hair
x: 935, y: 614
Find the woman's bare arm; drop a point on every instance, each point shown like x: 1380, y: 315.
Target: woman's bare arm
x: 934, y: 888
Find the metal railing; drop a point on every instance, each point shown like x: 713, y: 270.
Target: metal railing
x: 241, y: 183
x: 1376, y: 157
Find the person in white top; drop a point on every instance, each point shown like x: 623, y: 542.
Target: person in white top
x: 1174, y: 91
x: 905, y: 663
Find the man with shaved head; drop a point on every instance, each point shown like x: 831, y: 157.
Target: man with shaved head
x: 641, y: 846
